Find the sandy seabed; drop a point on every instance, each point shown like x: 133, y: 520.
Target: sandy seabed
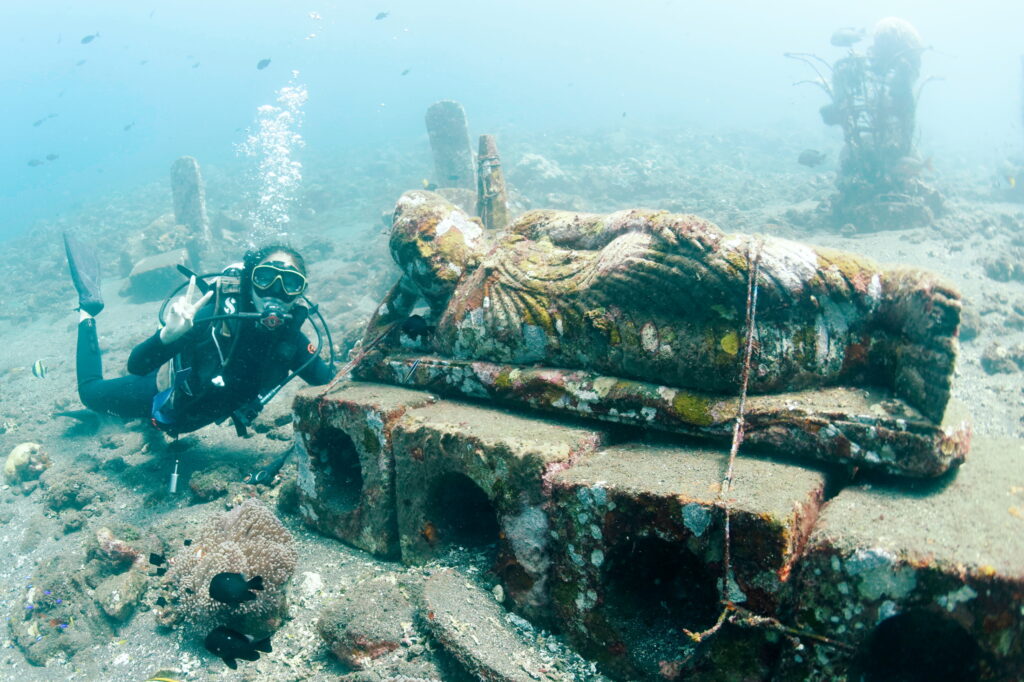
x: 743, y: 183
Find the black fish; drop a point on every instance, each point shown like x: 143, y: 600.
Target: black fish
x: 128, y: 127
x: 231, y: 644
x: 89, y: 38
x: 34, y: 162
x: 233, y: 588
x: 52, y: 157
x: 156, y: 559
x: 811, y: 158
x: 39, y: 122
x: 186, y: 542
x: 262, y: 64
x: 406, y: 72
x: 381, y: 15
x: 80, y: 62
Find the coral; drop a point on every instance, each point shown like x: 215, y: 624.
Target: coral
x: 249, y: 540
x: 367, y: 623
x: 118, y: 550
x: 55, y: 617
x: 119, y: 595
x: 25, y: 463
x: 83, y: 491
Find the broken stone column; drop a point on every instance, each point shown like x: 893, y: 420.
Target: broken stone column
x: 491, y: 197
x: 346, y: 481
x: 190, y: 205
x: 449, y: 141
x: 475, y: 477
x: 926, y: 583
x: 638, y: 556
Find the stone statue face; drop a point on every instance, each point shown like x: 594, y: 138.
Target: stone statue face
x: 434, y: 243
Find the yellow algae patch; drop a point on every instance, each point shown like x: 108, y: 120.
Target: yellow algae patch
x: 604, y: 385
x: 692, y: 409
x: 503, y: 381
x: 730, y: 343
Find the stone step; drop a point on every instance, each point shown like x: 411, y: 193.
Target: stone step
x: 475, y: 477
x: 945, y: 560
x: 621, y: 544
x: 639, y: 550
x: 346, y: 469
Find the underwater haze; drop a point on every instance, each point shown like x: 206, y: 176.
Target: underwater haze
x: 516, y: 372
x: 166, y: 78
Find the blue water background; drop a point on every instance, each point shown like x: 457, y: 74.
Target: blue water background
x: 529, y: 65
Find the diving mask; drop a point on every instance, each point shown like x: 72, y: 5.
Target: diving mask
x: 266, y: 275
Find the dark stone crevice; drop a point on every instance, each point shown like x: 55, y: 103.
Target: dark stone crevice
x: 338, y: 469
x: 917, y: 646
x: 461, y: 514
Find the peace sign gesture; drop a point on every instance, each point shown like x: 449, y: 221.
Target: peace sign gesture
x: 182, y: 312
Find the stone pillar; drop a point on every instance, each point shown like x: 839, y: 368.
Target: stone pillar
x: 491, y: 197
x: 449, y: 141
x: 190, y: 205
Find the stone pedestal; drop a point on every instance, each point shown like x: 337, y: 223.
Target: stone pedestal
x: 346, y: 477
x: 475, y: 477
x: 930, y: 576
x: 837, y: 425
x: 638, y: 553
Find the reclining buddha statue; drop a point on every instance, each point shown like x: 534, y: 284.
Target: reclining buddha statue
x: 659, y: 297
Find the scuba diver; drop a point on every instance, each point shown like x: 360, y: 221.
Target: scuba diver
x: 224, y: 349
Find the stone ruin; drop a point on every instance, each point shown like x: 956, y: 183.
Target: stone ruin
x: 170, y: 241
x: 873, y: 98
x: 562, y: 414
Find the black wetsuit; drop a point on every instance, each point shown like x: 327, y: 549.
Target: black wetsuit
x: 203, y: 389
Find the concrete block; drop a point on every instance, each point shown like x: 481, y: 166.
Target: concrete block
x: 154, y: 277
x: 638, y: 555
x: 470, y: 476
x: 919, y: 583
x: 345, y: 484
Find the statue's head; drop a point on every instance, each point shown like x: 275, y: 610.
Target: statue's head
x: 435, y: 243
x: 896, y: 45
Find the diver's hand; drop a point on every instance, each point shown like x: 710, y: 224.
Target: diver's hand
x: 182, y: 312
